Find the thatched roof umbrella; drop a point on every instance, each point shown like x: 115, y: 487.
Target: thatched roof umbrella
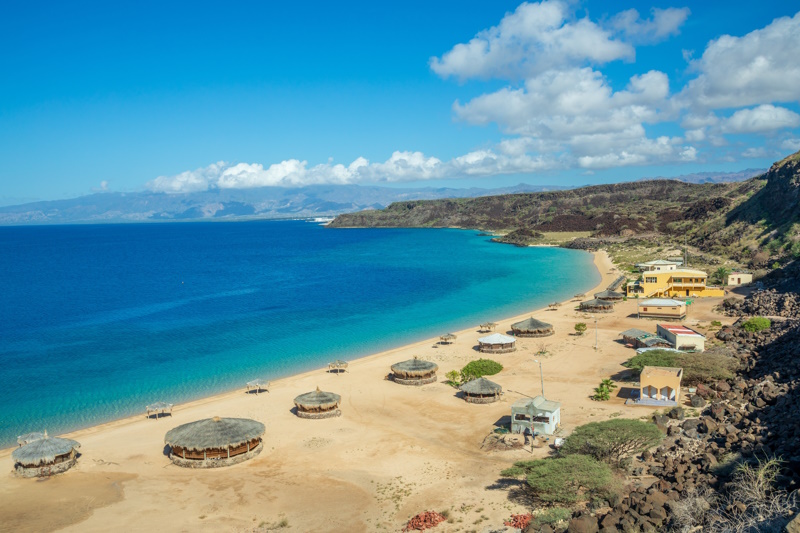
x: 215, y: 442
x: 597, y: 306
x: 258, y: 385
x: 318, y: 404
x: 30, y: 437
x: 45, y: 456
x: 497, y: 343
x: 337, y: 366
x: 414, y: 372
x: 158, y: 408
x: 611, y: 296
x: 488, y: 326
x: 531, y: 327
x: 447, y: 338
x: 481, y: 390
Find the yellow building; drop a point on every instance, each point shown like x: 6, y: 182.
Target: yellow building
x: 681, y: 282
x: 660, y: 385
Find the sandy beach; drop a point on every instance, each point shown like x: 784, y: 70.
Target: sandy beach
x: 394, y: 452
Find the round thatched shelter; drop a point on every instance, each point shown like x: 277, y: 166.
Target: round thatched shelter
x: 158, y: 409
x: 447, y: 338
x: 481, y: 390
x: 318, y: 404
x: 610, y: 296
x: 497, y: 343
x: 214, y: 442
x: 337, y: 366
x: 414, y: 372
x: 531, y: 327
x: 45, y: 456
x: 258, y: 385
x: 597, y: 306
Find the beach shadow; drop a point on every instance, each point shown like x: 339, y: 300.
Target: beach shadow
x: 517, y: 490
x: 156, y: 416
x: 167, y: 450
x: 503, y: 422
x: 624, y: 375
x: 256, y: 391
x: 336, y: 371
x: 626, y: 392
x: 459, y: 394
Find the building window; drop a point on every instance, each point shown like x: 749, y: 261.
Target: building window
x: 651, y: 280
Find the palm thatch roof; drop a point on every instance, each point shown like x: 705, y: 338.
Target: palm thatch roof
x: 496, y: 338
x: 159, y: 406
x: 597, y: 303
x: 609, y: 295
x: 447, y: 337
x: 317, y: 400
x: 532, y: 325
x: 214, y: 433
x: 481, y: 387
x: 414, y: 368
x: 30, y: 437
x: 44, y: 450
x: 258, y: 384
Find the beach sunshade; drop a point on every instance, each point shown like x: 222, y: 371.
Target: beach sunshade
x: 481, y: 387
x: 597, y: 303
x: 30, y: 437
x: 609, y: 295
x: 317, y: 400
x: 414, y: 368
x: 496, y: 338
x: 159, y: 406
x: 532, y: 325
x: 214, y: 433
x: 258, y: 384
x: 448, y: 337
x: 44, y: 450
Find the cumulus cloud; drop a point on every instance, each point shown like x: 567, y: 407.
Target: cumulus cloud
x: 760, y: 67
x: 761, y: 119
x: 664, y: 23
x: 533, y: 39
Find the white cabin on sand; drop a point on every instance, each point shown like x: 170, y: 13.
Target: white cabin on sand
x: 535, y: 416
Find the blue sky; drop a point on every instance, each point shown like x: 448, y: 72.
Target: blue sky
x: 191, y: 96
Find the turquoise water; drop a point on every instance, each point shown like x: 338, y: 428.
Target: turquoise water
x: 99, y: 320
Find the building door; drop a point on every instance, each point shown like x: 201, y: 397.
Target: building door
x: 687, y: 292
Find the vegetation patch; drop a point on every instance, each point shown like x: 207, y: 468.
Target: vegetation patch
x: 613, y: 440
x: 756, y: 324
x: 702, y: 367
x: 480, y: 368
x: 565, y: 480
x: 603, y: 392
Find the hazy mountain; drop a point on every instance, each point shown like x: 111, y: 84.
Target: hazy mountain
x: 715, y: 177
x: 230, y: 204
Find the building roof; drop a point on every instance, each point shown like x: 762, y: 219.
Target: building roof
x: 659, y: 262
x: 597, y: 303
x: 481, y: 386
x: 540, y: 402
x: 214, y: 433
x: 661, y: 302
x: 496, y: 338
x: 635, y: 333
x: 678, y: 329
x: 608, y: 295
x: 318, y: 399
x: 691, y: 271
x: 649, y: 371
x: 649, y: 341
x: 532, y: 324
x: 30, y: 437
x: 414, y: 368
x: 44, y: 450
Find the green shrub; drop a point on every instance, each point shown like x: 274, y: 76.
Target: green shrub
x: 697, y: 367
x: 453, y: 378
x: 566, y: 480
x: 756, y: 324
x: 551, y: 516
x: 652, y: 358
x: 603, y: 391
x: 480, y: 368
x: 612, y: 440
x: 580, y: 328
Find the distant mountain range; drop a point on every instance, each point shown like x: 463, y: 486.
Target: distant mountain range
x: 265, y: 202
x: 233, y: 204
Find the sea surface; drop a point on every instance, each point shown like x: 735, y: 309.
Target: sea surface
x: 96, y: 321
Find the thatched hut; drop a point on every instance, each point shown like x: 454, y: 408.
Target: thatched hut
x: 45, y: 456
x: 215, y: 442
x: 481, y: 390
x: 318, y: 404
x: 610, y: 296
x: 447, y: 338
x: 414, y: 372
x: 158, y: 409
x: 337, y: 366
x: 497, y: 343
x: 597, y: 306
x: 258, y: 385
x: 531, y: 327
x: 488, y: 326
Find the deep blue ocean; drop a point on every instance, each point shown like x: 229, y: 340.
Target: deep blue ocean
x: 96, y: 321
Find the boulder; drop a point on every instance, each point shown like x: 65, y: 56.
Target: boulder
x: 583, y: 524
x: 698, y: 401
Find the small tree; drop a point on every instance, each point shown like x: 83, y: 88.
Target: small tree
x: 612, y: 440
x: 453, y: 378
x: 721, y: 274
x: 567, y: 480
x: 479, y: 368
x: 756, y: 324
x: 601, y: 394
x: 580, y: 328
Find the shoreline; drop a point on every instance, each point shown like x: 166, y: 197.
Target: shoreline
x: 599, y: 258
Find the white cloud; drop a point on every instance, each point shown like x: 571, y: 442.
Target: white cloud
x: 791, y: 144
x: 533, y: 39
x: 665, y: 22
x: 760, y: 119
x: 755, y: 152
x: 760, y: 67
x: 188, y: 181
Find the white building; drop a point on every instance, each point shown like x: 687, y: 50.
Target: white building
x: 681, y: 337
x: 658, y: 265
x: 740, y: 278
x: 535, y: 415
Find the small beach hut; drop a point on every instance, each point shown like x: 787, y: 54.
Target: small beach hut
x: 633, y: 337
x: 488, y: 326
x: 258, y: 385
x: 45, y: 456
x: 497, y: 343
x: 610, y: 296
x: 414, y: 372
x: 597, y: 306
x: 318, y: 404
x: 531, y: 327
x: 337, y: 366
x: 481, y: 390
x: 215, y: 442
x: 158, y: 408
x: 447, y: 338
